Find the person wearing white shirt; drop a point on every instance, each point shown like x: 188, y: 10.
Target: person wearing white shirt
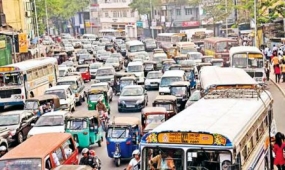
x: 274, y: 48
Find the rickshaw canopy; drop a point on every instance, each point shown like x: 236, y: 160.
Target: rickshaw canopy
x: 165, y: 98
x: 54, y: 98
x: 97, y: 90
x: 155, y: 51
x: 153, y: 110
x: 129, y: 78
x: 126, y: 121
x: 168, y: 61
x: 180, y: 84
x: 149, y: 62
x: 181, y: 57
x: 84, y: 114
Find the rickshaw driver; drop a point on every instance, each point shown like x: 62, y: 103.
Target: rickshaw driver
x: 3, y: 150
x: 100, y: 107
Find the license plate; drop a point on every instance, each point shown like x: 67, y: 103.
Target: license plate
x: 130, y: 105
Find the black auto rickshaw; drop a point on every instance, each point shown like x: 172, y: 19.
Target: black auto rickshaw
x: 169, y: 102
x: 149, y: 66
x: 117, y: 80
x: 182, y: 91
x: 109, y: 47
x: 42, y: 104
x: 174, y: 67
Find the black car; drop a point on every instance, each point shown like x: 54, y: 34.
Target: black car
x: 19, y: 123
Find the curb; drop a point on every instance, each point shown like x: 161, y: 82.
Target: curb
x: 279, y: 87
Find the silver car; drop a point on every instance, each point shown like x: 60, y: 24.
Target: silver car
x: 196, y: 95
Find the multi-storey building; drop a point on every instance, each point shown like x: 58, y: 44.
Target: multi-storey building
x: 116, y: 14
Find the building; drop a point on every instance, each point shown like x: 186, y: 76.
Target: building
x: 116, y: 14
x: 18, y: 15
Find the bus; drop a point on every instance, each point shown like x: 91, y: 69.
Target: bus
x: 226, y: 129
x: 184, y: 47
x: 27, y: 79
x: 170, y: 38
x: 219, y: 47
x: 251, y: 59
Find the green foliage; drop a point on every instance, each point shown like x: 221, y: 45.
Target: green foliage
x: 143, y: 6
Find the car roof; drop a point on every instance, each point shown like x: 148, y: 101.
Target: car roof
x: 59, y: 112
x: 106, y: 67
x: 155, y: 72
x: 132, y: 86
x: 135, y: 63
x: 58, y: 87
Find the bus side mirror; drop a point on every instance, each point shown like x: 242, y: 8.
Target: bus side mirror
x: 25, y: 77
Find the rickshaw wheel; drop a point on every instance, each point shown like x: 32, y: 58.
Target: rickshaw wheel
x: 118, y: 162
x: 102, y: 139
x: 109, y: 111
x: 99, y: 143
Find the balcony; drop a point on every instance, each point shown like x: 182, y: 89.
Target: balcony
x: 107, y: 4
x: 118, y: 20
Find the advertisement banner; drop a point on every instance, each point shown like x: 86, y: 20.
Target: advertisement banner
x: 23, y: 43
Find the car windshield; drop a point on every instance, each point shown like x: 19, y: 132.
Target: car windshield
x: 104, y: 72
x: 31, y: 105
x: 82, y: 69
x: 105, y: 53
x: 72, y: 84
x: 127, y: 82
x: 154, y: 75
x: 76, y: 124
x: 178, y: 91
x: 83, y: 57
x: 155, y: 118
x: 11, y: 119
x: 150, y: 43
x: 136, y: 48
x: 82, y: 51
x: 219, y: 64
x: 115, y: 55
x: 112, y: 60
x: 195, y: 56
x: 117, y: 132
x: 186, y: 50
x: 166, y: 81
x: 10, y: 79
x: 132, y: 92
x: 21, y: 164
x: 52, y: 120
x: 60, y: 93
x: 61, y: 73
x: 167, y: 106
x: 95, y: 66
x: 195, y: 96
x: 188, y: 63
x: 68, y: 45
x: 95, y: 97
x: 135, y: 68
x: 159, y: 58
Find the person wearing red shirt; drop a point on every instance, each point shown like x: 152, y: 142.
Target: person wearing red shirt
x: 277, y: 72
x: 278, y: 147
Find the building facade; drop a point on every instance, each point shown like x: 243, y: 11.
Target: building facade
x: 116, y: 14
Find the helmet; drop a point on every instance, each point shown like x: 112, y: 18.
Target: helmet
x: 85, y: 150
x: 3, y: 148
x: 92, y: 153
x: 136, y: 152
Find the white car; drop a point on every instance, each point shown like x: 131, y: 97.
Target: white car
x: 93, y: 69
x: 106, y: 87
x: 137, y: 69
x: 152, y: 80
x: 48, y: 123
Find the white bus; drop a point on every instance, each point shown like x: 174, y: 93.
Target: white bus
x: 26, y: 79
x: 227, y: 129
x: 251, y: 60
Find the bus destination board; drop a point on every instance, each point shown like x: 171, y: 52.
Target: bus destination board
x: 186, y: 138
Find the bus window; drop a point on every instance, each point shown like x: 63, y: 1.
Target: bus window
x: 221, y: 47
x: 239, y: 61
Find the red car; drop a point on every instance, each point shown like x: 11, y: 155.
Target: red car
x: 85, y: 72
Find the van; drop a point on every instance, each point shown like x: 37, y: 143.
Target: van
x: 134, y: 47
x: 77, y: 86
x: 42, y: 152
x: 137, y: 69
x: 67, y: 97
x: 168, y: 78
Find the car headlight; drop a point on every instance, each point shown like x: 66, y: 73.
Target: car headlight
x: 140, y: 101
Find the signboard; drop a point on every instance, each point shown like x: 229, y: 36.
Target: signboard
x: 255, y: 56
x: 23, y: 43
x: 2, y: 44
x: 252, y: 55
x: 190, y: 24
x: 187, y: 138
x: 139, y: 24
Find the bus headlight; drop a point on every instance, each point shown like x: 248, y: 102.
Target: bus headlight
x: 17, y: 96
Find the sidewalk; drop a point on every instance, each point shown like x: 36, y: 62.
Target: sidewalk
x: 280, y: 86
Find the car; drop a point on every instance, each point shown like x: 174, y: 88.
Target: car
x: 105, y: 74
x: 102, y: 55
x: 49, y: 123
x: 132, y: 98
x: 76, y: 43
x: 68, y: 48
x: 93, y: 69
x: 150, y: 44
x: 142, y: 55
x: 106, y: 86
x: 122, y: 49
x: 196, y: 95
x: 152, y: 80
x: 19, y: 122
x: 115, y: 63
x: 83, y: 57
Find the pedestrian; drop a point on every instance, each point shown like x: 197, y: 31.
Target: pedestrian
x: 268, y: 54
x: 277, y: 72
x: 275, y: 48
x: 283, y: 71
x: 267, y: 70
x: 275, y: 59
x: 278, y: 148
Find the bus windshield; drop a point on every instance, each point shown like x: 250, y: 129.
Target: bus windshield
x: 10, y: 79
x: 239, y: 61
x: 186, y: 50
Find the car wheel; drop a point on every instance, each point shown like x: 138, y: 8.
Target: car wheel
x: 119, y: 110
x: 80, y: 101
x: 20, y: 138
x: 1, y: 108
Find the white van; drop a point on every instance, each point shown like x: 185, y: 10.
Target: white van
x: 77, y: 86
x: 134, y: 47
x: 137, y: 69
x: 48, y: 123
x: 168, y: 78
x: 65, y: 94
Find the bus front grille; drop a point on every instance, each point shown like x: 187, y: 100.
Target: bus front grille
x: 8, y: 93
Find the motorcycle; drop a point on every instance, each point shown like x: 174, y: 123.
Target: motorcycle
x: 104, y: 119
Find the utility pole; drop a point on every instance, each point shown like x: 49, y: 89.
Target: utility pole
x: 152, y: 31
x: 37, y: 28
x: 90, y: 14
x: 226, y: 18
x: 46, y: 17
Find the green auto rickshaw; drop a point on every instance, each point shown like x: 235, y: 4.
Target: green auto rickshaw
x: 95, y: 94
x: 85, y: 127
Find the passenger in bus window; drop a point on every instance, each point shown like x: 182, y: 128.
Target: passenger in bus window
x: 163, y: 161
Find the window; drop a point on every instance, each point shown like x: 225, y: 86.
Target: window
x: 50, y: 69
x: 106, y: 14
x: 35, y: 74
x: 29, y: 76
x: 45, y: 70
x: 124, y: 13
x: 244, y: 153
x: 115, y: 14
x: 68, y: 148
x: 48, y: 163
x: 261, y: 129
x: 178, y: 12
x: 59, y: 156
x: 256, y: 135
x: 40, y: 72
x: 266, y: 121
x: 188, y: 11
x: 132, y: 14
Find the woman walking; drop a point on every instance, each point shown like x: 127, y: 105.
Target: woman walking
x: 277, y: 72
x: 278, y: 147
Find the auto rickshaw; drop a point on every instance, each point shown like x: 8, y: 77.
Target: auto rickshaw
x: 85, y: 127
x: 171, y: 52
x: 179, y: 59
x: 33, y: 104
x: 166, y: 63
x: 128, y: 80
x: 200, y: 65
x: 169, y: 102
x: 122, y: 137
x: 153, y: 115
x: 207, y: 59
x: 174, y: 67
x: 117, y: 79
x: 109, y: 47
x: 97, y: 94
x: 182, y: 91
x: 149, y: 66
x: 158, y: 50
x: 85, y: 72
x: 217, y: 62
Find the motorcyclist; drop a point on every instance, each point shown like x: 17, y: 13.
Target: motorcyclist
x: 101, y: 108
x: 3, y: 150
x: 135, y: 162
x: 96, y: 160
x: 86, y: 159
